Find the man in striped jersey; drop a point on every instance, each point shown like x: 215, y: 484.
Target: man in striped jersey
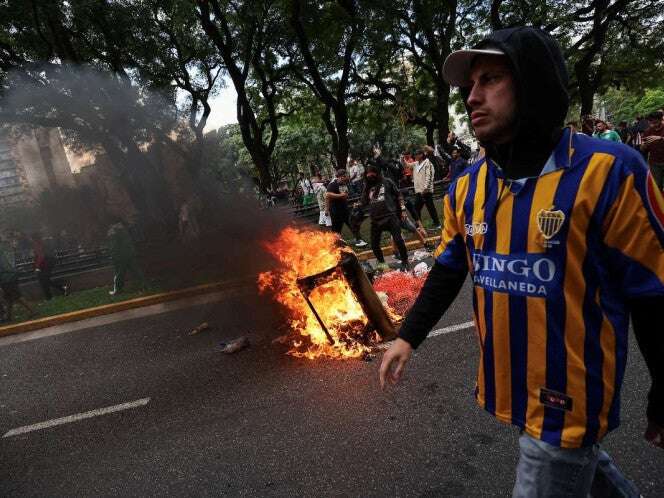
x: 563, y: 236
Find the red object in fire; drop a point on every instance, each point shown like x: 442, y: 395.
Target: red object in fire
x: 401, y: 289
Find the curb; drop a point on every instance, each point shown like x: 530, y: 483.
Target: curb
x: 107, y: 309
x: 412, y: 244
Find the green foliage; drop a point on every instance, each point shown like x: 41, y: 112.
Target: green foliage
x: 316, y: 81
x: 622, y: 105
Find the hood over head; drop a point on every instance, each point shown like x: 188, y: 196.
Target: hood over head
x: 540, y: 78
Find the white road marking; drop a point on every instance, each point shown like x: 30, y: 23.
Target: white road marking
x: 452, y: 328
x: 77, y: 417
x: 437, y: 332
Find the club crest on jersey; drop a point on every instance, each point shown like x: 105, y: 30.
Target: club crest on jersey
x: 550, y: 222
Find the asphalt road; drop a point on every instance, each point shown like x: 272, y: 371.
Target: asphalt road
x: 260, y: 423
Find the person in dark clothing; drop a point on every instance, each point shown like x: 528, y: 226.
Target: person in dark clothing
x: 386, y: 208
x: 584, y: 250
x: 453, y: 142
x: 124, y: 258
x: 388, y: 169
x: 9, y: 283
x: 44, y: 261
x: 623, y: 132
x: 457, y: 165
x: 337, y: 206
x: 653, y: 146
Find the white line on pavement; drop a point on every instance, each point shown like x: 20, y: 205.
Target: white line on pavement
x: 437, y: 332
x: 77, y: 417
x: 452, y: 328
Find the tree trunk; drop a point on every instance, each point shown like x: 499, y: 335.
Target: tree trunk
x: 442, y: 110
x: 431, y: 128
x: 586, y: 90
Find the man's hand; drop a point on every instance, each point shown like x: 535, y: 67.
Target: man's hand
x: 394, y: 362
x: 651, y: 139
x: 654, y: 433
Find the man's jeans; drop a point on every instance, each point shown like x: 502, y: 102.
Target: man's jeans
x: 548, y: 471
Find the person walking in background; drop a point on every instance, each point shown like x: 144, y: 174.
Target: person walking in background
x: 187, y: 225
x: 386, y: 210
x: 356, y: 176
x: 324, y: 215
x: 423, y: 174
x: 307, y: 189
x: 44, y: 261
x: 653, y: 146
x: 124, y: 257
x: 623, y: 132
x: 9, y: 280
x: 337, y: 206
x: 603, y: 132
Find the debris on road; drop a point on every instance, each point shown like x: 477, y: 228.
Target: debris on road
x: 368, y: 356
x: 235, y: 345
x: 282, y: 339
x: 421, y: 269
x: 203, y: 326
x: 421, y: 255
x: 383, y: 298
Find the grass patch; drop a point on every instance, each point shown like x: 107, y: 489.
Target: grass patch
x: 80, y: 300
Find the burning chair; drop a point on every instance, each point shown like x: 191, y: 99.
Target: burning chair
x: 331, y: 307
x: 349, y: 269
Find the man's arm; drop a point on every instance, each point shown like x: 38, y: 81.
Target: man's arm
x: 651, y: 344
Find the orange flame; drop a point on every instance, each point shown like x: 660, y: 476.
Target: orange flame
x: 306, y: 252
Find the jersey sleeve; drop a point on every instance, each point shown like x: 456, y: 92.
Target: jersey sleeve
x: 452, y: 249
x: 634, y: 232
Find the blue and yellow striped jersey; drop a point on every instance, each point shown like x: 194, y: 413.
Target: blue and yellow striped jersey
x: 554, y: 260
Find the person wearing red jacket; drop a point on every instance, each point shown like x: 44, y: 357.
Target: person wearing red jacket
x: 44, y: 261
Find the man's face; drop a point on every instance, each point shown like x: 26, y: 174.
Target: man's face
x: 455, y: 154
x: 600, y: 126
x: 342, y: 179
x: 654, y: 123
x: 492, y: 100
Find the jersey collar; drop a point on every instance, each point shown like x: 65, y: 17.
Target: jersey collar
x: 560, y: 158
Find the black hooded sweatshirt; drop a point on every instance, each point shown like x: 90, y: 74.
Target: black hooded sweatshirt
x: 541, y: 80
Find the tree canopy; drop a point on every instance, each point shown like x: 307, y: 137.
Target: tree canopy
x: 315, y: 81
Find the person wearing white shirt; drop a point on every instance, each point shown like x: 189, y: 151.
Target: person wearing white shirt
x: 423, y: 174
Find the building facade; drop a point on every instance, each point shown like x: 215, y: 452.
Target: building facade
x: 31, y: 161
